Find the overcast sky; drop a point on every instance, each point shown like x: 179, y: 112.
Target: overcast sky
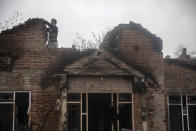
x: 172, y: 20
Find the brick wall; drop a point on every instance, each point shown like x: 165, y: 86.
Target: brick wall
x: 179, y: 78
x: 32, y: 67
x: 148, y: 59
x: 143, y: 50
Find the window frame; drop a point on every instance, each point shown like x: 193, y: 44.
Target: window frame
x: 14, y: 102
x: 118, y: 102
x: 182, y: 112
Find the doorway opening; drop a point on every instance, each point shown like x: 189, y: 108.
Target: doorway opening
x: 99, y: 112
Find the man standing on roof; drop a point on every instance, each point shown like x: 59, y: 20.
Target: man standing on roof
x: 53, y: 33
x: 184, y: 55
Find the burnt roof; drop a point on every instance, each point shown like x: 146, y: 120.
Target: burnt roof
x: 181, y: 62
x: 110, y: 36
x: 140, y: 27
x: 157, y: 44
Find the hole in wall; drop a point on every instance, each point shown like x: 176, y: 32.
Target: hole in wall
x: 99, y: 53
x: 136, y: 47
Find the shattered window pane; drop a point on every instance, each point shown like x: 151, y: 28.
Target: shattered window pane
x: 6, y: 97
x: 175, y: 99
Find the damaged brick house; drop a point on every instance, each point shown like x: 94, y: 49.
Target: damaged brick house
x: 124, y: 85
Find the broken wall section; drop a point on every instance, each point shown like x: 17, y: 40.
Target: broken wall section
x: 142, y: 50
x: 139, y: 48
x: 27, y: 65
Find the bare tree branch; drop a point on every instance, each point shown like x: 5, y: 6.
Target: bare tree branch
x: 13, y: 20
x: 81, y: 43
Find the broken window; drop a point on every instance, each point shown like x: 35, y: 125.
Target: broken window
x: 124, y: 111
x: 74, y: 117
x: 99, y: 111
x: 14, y: 107
x: 74, y: 111
x: 182, y: 113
